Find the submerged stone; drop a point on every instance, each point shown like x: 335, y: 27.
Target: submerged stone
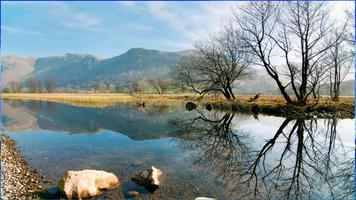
x: 150, y: 178
x: 190, y: 106
x: 208, y: 107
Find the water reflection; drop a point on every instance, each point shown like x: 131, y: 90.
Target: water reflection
x: 204, y: 153
x: 136, y: 122
x: 300, y: 161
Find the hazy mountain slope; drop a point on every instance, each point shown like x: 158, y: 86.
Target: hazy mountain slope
x: 14, y: 68
x: 135, y: 64
x: 64, y: 69
x: 347, y: 88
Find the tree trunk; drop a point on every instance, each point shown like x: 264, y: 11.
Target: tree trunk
x: 226, y: 94
x: 231, y: 93
x: 336, y: 96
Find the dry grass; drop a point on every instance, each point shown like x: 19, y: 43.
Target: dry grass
x: 102, y: 99
x: 266, y: 103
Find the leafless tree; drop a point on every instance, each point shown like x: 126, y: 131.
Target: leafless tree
x: 339, y: 62
x: 296, y: 30
x: 159, y: 85
x: 15, y: 86
x: 94, y: 87
x: 49, y: 84
x: 112, y: 88
x: 219, y: 63
x: 138, y: 86
x: 350, y: 35
x: 102, y: 87
x: 32, y: 85
x: 39, y: 86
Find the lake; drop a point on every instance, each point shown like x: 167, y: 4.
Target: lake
x: 203, y: 153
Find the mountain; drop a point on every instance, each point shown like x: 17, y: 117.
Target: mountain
x: 82, y: 70
x: 347, y: 88
x: 79, y: 71
x: 15, y: 68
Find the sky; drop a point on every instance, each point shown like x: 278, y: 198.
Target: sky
x: 107, y: 29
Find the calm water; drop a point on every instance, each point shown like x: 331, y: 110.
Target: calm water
x: 211, y: 154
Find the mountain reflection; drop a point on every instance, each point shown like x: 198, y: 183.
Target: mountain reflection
x: 303, y: 159
x: 136, y: 122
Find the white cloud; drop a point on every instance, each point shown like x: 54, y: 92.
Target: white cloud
x: 192, y: 20
x: 18, y: 30
x: 75, y: 19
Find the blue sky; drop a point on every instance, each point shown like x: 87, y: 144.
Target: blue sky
x: 107, y: 29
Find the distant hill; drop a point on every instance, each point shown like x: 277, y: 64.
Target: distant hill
x: 347, y: 88
x: 79, y: 71
x: 15, y: 68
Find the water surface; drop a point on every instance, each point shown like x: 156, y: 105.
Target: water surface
x: 211, y: 154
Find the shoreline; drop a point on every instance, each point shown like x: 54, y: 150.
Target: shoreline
x: 266, y: 104
x: 18, y: 180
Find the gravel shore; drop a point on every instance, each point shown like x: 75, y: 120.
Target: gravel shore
x: 18, y: 181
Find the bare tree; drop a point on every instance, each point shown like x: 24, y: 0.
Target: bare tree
x: 112, y: 88
x: 219, y: 63
x: 39, y: 86
x: 138, y: 86
x: 15, y: 86
x: 102, y: 87
x: 94, y: 87
x: 32, y: 85
x: 159, y: 85
x: 49, y: 84
x: 350, y: 35
x: 297, y: 31
x: 339, y: 61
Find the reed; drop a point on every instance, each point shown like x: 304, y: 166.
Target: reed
x: 265, y: 103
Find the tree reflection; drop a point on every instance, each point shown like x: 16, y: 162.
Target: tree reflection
x: 305, y: 158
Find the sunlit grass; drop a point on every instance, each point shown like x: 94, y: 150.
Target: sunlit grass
x: 218, y: 102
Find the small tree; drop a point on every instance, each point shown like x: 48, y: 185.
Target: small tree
x: 94, y: 87
x: 339, y: 61
x: 50, y: 84
x: 161, y: 86
x: 219, y: 63
x: 39, y: 86
x: 138, y: 86
x: 32, y: 85
x: 112, y: 88
x: 102, y: 87
x: 15, y: 86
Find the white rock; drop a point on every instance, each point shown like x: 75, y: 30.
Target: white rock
x: 86, y: 183
x: 203, y: 198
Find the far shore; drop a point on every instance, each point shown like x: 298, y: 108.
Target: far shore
x: 265, y: 104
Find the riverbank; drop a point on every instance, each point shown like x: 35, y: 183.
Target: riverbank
x: 265, y: 104
x: 18, y: 181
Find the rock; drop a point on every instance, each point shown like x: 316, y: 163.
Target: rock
x: 203, y: 198
x: 150, y: 178
x: 134, y: 193
x: 86, y: 183
x: 190, y: 106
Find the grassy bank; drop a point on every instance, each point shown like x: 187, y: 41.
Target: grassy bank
x: 267, y: 104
